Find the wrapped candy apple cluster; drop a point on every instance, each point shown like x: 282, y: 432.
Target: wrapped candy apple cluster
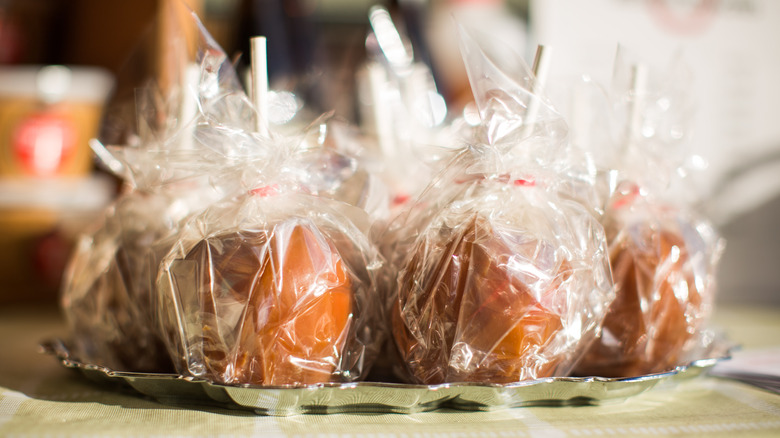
x: 500, y: 279
x: 663, y: 254
x: 246, y: 253
x: 234, y: 256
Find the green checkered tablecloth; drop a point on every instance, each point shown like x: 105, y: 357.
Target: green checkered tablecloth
x: 40, y: 398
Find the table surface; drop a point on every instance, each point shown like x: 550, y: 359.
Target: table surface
x: 40, y: 398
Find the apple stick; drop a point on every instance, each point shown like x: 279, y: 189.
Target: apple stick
x: 260, y: 83
x: 638, y: 87
x: 541, y: 70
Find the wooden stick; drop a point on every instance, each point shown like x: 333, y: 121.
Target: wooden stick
x: 382, y: 115
x: 541, y: 70
x: 107, y: 158
x: 260, y: 83
x: 189, y: 104
x: 541, y: 67
x: 638, y: 86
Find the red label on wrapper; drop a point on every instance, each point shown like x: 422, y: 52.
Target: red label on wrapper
x: 625, y: 196
x: 266, y: 191
x: 524, y: 182
x: 42, y: 143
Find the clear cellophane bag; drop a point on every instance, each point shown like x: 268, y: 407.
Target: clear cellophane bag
x: 273, y: 287
x: 663, y: 253
x: 108, y: 290
x: 499, y: 278
x: 191, y: 152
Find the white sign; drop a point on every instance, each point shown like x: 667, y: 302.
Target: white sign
x: 733, y: 49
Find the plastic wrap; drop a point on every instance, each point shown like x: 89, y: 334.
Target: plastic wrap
x: 334, y: 163
x: 107, y: 288
x: 499, y: 278
x: 200, y: 177
x: 180, y: 153
x: 663, y: 262
x: 276, y: 287
x: 401, y: 109
x: 108, y: 294
x: 663, y: 254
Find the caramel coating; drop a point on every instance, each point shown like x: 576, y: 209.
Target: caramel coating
x: 463, y: 315
x: 654, y: 313
x: 275, y: 308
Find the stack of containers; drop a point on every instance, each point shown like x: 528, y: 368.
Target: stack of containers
x: 47, y: 190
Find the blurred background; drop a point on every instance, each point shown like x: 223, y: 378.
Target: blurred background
x: 51, y: 188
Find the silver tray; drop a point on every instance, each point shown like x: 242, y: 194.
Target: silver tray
x: 381, y: 397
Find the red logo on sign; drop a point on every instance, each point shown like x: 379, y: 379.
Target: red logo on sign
x: 43, y: 142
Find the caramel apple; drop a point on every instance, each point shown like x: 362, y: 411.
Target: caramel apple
x: 275, y: 306
x: 472, y: 309
x: 659, y: 305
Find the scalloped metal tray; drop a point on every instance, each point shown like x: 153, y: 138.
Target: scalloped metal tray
x: 380, y: 397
